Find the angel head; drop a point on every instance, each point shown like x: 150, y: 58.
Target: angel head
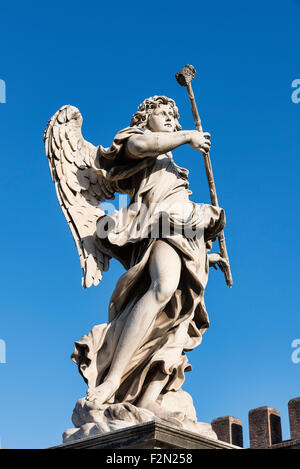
x: 158, y: 114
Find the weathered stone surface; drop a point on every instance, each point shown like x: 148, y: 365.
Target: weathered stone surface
x: 229, y: 429
x: 90, y: 419
x: 264, y: 427
x: 148, y: 435
x: 288, y: 444
x: 294, y: 415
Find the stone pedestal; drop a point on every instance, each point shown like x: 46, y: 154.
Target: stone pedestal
x: 150, y: 435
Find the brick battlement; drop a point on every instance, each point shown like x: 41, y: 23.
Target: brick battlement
x: 264, y: 428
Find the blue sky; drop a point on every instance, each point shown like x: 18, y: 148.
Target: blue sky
x: 105, y: 58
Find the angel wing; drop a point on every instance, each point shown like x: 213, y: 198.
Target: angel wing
x: 78, y: 187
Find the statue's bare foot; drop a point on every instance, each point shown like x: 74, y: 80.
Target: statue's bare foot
x: 101, y: 394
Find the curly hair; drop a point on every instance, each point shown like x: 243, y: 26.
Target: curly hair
x: 140, y: 118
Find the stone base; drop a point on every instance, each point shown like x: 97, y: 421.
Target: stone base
x: 91, y: 419
x: 150, y: 435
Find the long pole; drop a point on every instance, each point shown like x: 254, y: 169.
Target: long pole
x: 211, y: 185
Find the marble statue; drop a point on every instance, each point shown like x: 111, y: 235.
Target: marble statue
x: 134, y: 365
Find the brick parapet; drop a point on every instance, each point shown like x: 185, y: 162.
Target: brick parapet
x: 264, y: 428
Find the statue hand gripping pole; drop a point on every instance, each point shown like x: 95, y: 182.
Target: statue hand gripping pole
x: 184, y: 78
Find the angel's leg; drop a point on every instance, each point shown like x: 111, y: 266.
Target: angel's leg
x: 165, y: 269
x: 149, y: 398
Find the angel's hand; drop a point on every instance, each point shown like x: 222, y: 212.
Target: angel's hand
x: 200, y: 141
x: 215, y: 259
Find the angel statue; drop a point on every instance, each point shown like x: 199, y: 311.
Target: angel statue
x: 134, y: 365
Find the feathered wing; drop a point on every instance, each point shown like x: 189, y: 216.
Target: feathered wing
x: 79, y: 188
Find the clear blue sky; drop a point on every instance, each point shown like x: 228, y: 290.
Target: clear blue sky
x: 105, y: 58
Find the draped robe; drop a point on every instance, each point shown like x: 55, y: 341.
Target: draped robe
x: 159, y: 200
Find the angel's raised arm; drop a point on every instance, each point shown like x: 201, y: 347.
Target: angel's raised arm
x: 151, y: 144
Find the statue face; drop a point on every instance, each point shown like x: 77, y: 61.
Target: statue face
x: 162, y: 119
